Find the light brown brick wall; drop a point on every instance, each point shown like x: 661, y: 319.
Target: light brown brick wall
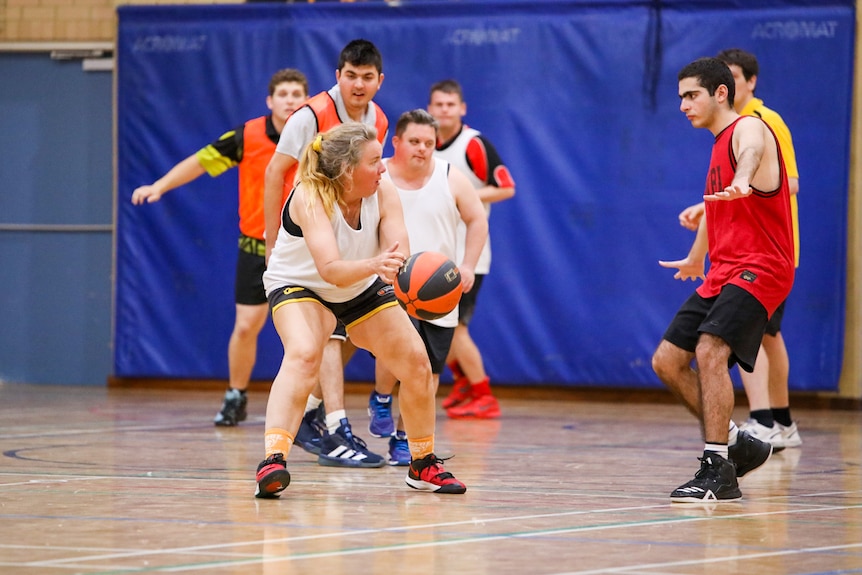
x: 69, y: 20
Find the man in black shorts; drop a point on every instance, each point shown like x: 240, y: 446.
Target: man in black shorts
x: 749, y: 237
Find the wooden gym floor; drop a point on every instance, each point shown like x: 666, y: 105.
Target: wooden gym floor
x: 110, y: 481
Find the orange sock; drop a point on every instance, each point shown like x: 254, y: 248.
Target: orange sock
x: 277, y: 441
x: 421, y: 447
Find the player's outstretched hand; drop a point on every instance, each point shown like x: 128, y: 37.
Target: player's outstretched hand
x: 147, y: 194
x: 685, y: 269
x: 731, y: 192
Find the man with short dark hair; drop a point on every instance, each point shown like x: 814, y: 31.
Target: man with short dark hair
x: 767, y: 386
x: 748, y: 233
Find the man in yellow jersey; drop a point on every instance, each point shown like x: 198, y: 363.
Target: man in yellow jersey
x: 358, y: 77
x: 250, y: 147
x: 767, y: 389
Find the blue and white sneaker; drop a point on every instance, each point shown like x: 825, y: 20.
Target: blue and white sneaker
x: 380, y: 411
x: 311, y: 431
x: 343, y: 449
x: 399, y: 450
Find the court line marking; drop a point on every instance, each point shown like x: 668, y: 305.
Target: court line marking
x: 112, y: 427
x: 67, y: 562
x: 648, y: 566
x: 403, y: 547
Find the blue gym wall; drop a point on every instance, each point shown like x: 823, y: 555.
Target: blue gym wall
x: 580, y: 99
x: 56, y: 221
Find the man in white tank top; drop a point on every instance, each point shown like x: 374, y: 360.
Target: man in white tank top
x: 436, y: 199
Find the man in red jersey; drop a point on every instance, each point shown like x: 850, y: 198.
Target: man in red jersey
x: 767, y: 387
x: 748, y: 234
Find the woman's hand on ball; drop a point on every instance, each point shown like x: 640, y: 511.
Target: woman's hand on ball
x: 387, y: 264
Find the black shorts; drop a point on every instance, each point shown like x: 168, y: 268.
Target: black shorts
x: 378, y: 296
x: 248, y: 285
x: 467, y: 305
x: 437, y: 341
x: 774, y: 325
x: 734, y: 315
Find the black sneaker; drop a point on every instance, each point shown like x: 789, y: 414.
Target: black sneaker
x: 272, y: 477
x: 343, y: 449
x: 311, y: 431
x: 714, y: 481
x: 233, y: 409
x: 748, y: 453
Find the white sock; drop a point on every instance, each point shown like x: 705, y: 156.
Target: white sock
x: 718, y: 448
x: 732, y: 433
x: 312, y: 403
x: 333, y: 420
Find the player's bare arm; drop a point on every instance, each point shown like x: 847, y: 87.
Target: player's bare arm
x: 494, y: 194
x: 750, y: 148
x: 392, y: 227
x: 473, y: 215
x: 273, y: 191
x: 183, y: 173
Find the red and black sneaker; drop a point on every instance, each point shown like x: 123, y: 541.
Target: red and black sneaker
x: 427, y: 474
x: 459, y: 394
x: 272, y: 477
x: 482, y: 407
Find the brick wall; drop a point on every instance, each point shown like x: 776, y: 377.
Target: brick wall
x: 69, y: 20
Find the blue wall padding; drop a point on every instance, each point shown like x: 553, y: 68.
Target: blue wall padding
x: 581, y: 101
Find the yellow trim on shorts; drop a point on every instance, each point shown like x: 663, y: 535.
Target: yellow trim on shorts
x: 278, y: 305
x: 371, y: 313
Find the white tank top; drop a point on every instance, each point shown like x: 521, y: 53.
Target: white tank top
x: 432, y: 218
x: 456, y: 154
x: 291, y: 263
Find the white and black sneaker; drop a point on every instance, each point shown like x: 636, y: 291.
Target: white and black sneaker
x: 343, y: 449
x: 715, y: 481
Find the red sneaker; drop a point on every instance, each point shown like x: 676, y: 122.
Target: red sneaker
x: 482, y: 407
x: 459, y: 394
x: 427, y: 474
x: 272, y: 477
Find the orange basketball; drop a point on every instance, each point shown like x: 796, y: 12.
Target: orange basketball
x: 428, y: 285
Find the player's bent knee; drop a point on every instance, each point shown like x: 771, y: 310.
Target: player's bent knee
x: 668, y: 362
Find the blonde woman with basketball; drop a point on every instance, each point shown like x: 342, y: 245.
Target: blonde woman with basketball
x: 339, y: 248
